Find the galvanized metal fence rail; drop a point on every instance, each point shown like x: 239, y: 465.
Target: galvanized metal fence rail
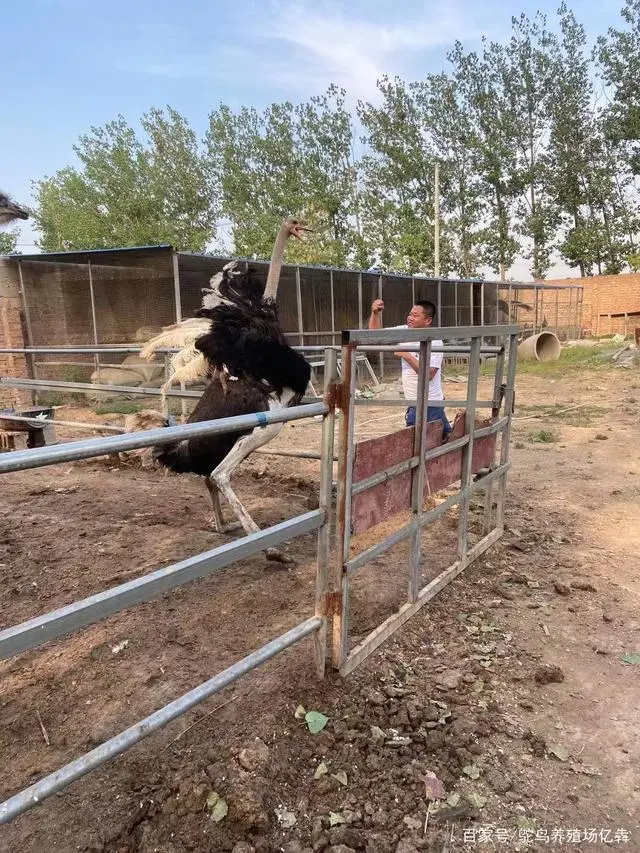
x: 332, y: 575
x: 58, y: 623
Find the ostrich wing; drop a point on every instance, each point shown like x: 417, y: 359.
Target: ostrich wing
x: 231, y: 290
x: 180, y: 335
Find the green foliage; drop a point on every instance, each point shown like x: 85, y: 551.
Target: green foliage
x: 532, y: 165
x: 289, y: 160
x: 8, y: 242
x: 128, y: 191
x: 544, y: 436
x: 118, y: 407
x: 618, y: 54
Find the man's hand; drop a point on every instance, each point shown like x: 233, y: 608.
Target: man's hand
x: 375, y: 320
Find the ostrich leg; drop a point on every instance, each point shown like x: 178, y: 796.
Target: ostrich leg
x: 220, y: 480
x: 218, y: 518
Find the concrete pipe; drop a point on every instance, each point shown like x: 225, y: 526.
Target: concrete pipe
x: 542, y: 347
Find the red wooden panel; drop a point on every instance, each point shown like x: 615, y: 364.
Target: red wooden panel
x: 376, y: 454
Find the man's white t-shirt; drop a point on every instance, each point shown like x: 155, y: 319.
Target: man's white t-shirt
x: 410, y: 377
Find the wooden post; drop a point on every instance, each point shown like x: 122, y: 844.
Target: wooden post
x: 436, y: 222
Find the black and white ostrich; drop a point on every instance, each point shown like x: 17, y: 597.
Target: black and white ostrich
x: 237, y: 340
x: 10, y: 211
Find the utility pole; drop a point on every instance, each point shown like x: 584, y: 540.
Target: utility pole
x: 436, y: 222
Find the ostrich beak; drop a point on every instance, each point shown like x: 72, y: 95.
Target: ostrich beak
x: 298, y: 230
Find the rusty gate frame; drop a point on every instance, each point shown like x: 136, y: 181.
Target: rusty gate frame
x: 344, y: 659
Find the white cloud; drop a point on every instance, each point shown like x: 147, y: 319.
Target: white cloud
x: 299, y: 48
x: 332, y: 42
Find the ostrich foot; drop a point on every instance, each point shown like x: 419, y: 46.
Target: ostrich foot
x: 277, y: 556
x: 225, y: 528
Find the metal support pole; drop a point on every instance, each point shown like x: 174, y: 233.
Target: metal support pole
x: 439, y: 302
x: 325, y: 499
x: 27, y: 322
x: 360, y: 313
x: 333, y: 308
x: 94, y: 322
x: 455, y: 302
x: 509, y: 397
x: 418, y: 473
x: 299, y: 306
x: 381, y: 358
x: 339, y: 583
x: 580, y: 306
x: 177, y: 297
x: 495, y: 414
x: 467, y: 452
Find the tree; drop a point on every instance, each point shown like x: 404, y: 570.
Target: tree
x: 130, y: 191
x: 489, y: 124
x: 525, y: 69
x: 288, y: 160
x: 463, y: 205
x: 8, y: 242
x: 398, y: 177
x: 582, y: 171
x: 619, y: 56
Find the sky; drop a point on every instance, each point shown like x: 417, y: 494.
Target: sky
x: 72, y: 64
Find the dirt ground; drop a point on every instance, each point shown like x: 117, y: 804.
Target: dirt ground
x: 510, y: 686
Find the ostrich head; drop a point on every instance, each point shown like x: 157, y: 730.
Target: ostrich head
x: 9, y: 211
x: 296, y: 228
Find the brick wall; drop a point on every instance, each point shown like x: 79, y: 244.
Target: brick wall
x: 607, y: 294
x: 11, y: 335
x: 557, y: 309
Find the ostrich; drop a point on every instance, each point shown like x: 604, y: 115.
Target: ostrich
x: 236, y: 338
x: 10, y: 211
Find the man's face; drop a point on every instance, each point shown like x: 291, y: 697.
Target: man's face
x: 417, y: 319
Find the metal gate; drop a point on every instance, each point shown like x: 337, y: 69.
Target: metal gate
x: 332, y: 575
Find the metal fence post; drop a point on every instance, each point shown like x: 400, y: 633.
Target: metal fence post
x: 325, y: 499
x: 495, y: 413
x: 94, y: 321
x: 509, y: 396
x: 178, y: 306
x: 31, y: 360
x: 418, y: 473
x: 299, y: 306
x: 381, y: 361
x: 467, y: 453
x: 340, y: 581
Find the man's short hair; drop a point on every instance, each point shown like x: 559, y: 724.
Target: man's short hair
x: 428, y: 307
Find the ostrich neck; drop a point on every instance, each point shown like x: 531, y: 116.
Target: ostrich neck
x: 271, y: 288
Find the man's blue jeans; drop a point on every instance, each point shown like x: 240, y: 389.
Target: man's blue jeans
x: 433, y: 414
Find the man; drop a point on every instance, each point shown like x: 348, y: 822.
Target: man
x: 420, y: 317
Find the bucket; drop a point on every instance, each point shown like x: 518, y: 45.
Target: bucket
x: 542, y: 347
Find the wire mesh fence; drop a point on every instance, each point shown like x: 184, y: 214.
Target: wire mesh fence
x: 125, y: 296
